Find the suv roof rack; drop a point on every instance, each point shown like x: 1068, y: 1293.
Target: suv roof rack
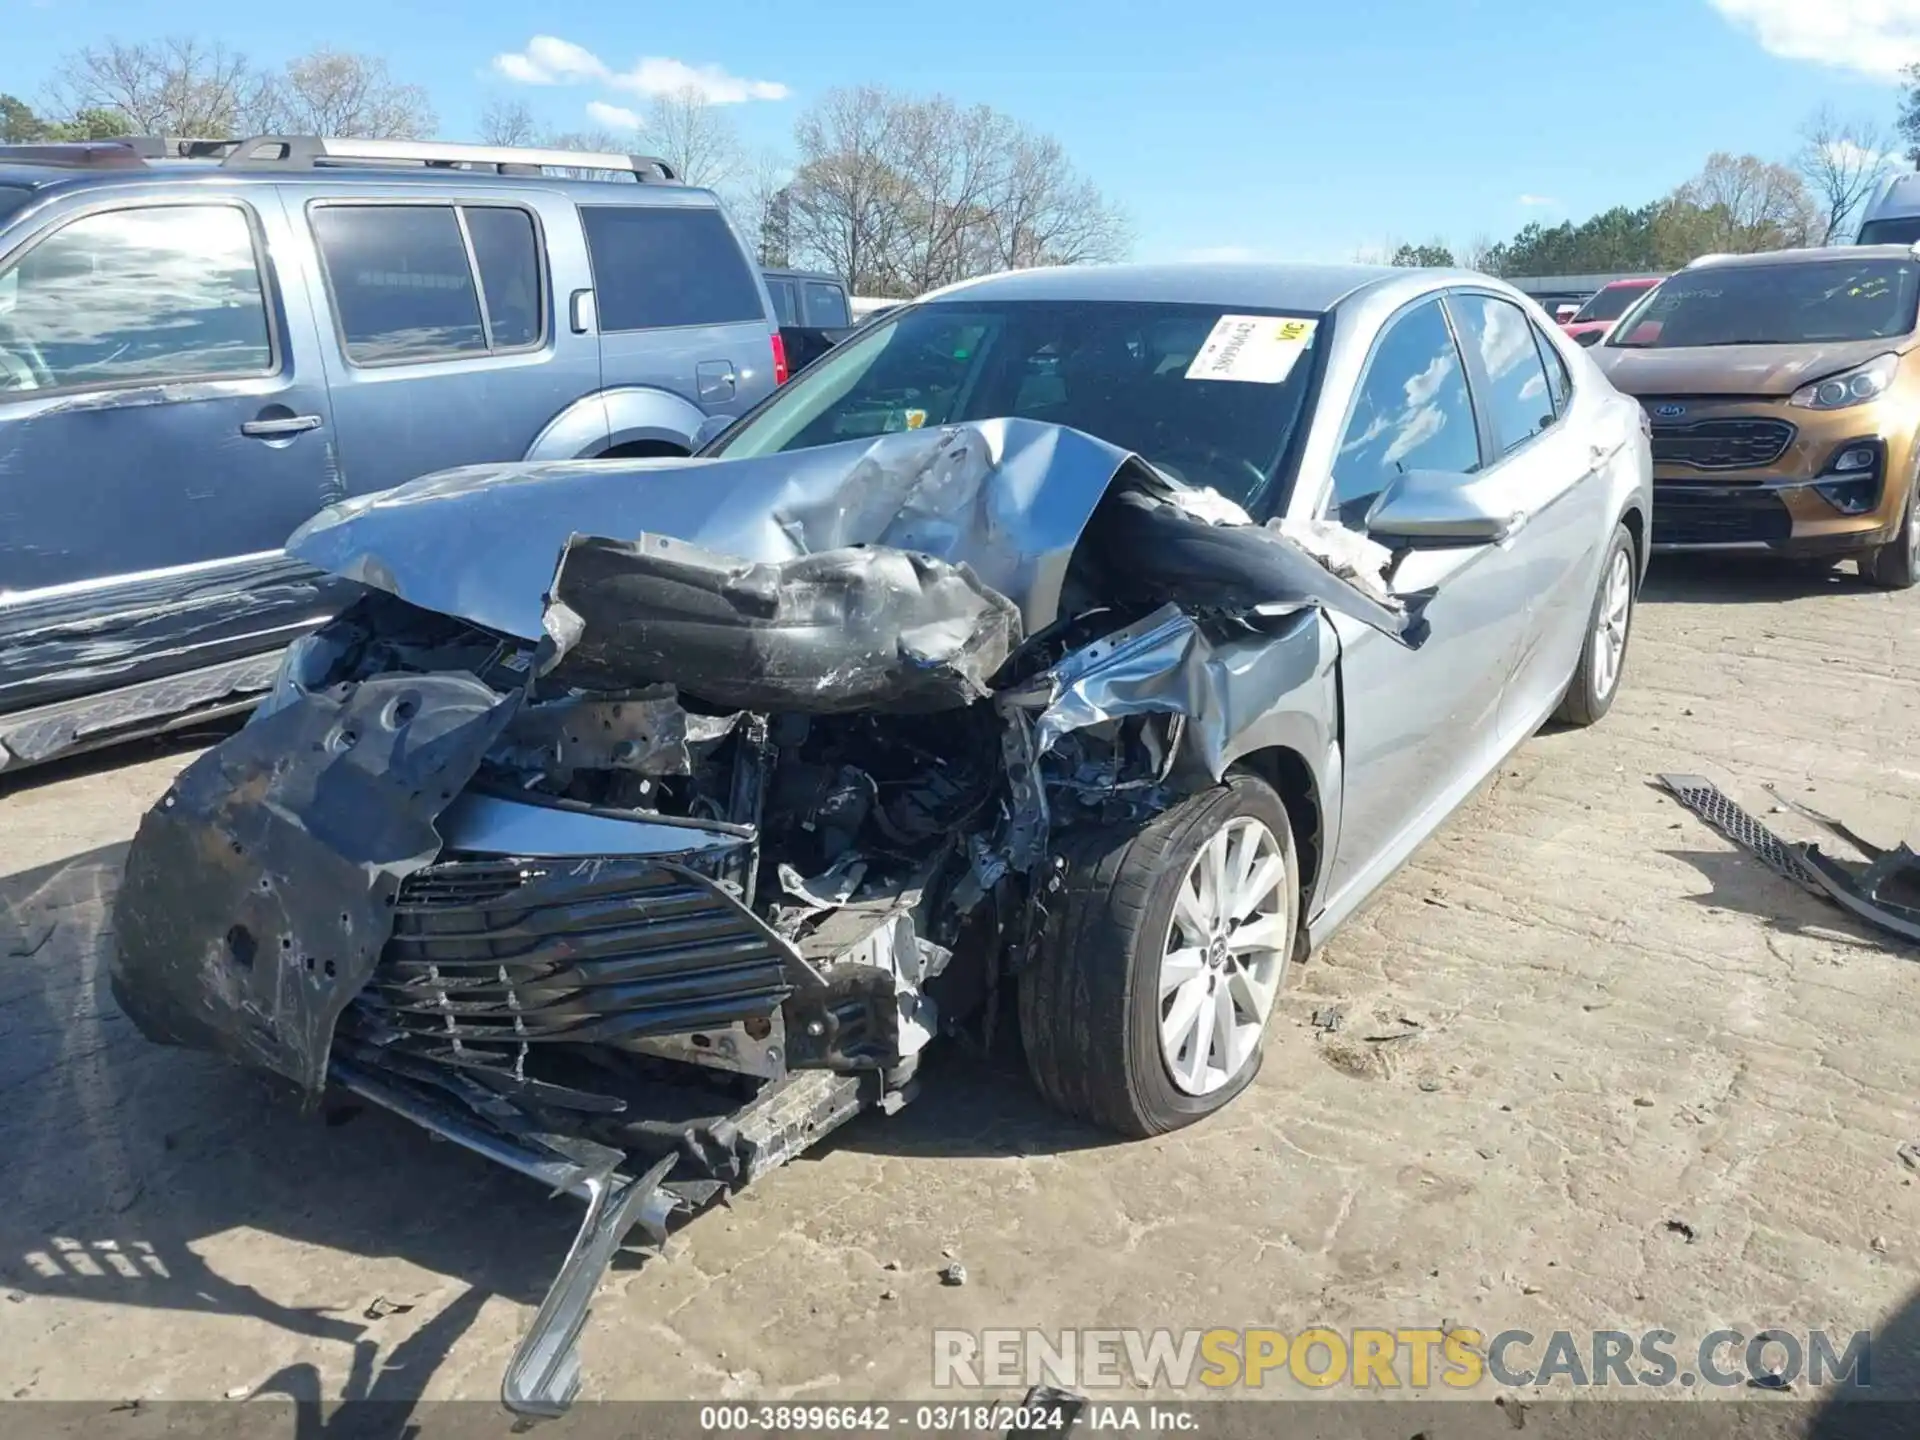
x: 119, y: 152
x: 309, y: 152
x: 312, y: 152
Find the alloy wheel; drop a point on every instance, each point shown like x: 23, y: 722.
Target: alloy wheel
x: 1610, y: 628
x: 1225, y: 956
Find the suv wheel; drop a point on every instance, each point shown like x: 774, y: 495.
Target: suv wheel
x: 1603, y: 659
x: 1147, y: 1006
x: 1896, y: 564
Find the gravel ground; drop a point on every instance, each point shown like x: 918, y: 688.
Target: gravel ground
x: 1644, y: 1083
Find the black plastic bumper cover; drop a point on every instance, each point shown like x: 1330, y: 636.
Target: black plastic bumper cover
x: 259, y: 891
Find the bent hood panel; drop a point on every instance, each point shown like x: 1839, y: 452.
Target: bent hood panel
x: 1732, y: 369
x: 1008, y: 498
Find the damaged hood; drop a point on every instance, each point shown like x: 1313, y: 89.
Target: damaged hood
x: 1007, y: 498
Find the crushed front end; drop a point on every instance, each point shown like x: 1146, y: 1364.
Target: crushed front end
x: 645, y: 891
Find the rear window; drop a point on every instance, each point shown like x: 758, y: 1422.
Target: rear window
x: 656, y: 266
x: 783, y: 302
x: 826, y: 306
x: 1900, y: 230
x: 1611, y: 303
x: 1788, y: 304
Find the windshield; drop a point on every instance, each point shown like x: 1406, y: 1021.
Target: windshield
x: 1611, y: 303
x: 1792, y: 304
x: 1118, y: 371
x: 1901, y: 230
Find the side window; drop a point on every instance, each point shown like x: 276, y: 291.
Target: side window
x: 507, y: 248
x: 783, y: 306
x: 158, y: 292
x: 400, y: 282
x: 1516, y: 398
x: 1412, y: 412
x: 1559, y: 381
x: 827, y: 306
x: 661, y: 265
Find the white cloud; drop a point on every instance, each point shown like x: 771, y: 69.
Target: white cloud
x: 549, y: 60
x: 1539, y: 202
x: 1875, y: 37
x: 614, y: 117
x: 1846, y: 156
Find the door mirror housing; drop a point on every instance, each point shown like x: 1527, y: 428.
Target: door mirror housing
x: 1564, y: 313
x: 710, y: 430
x: 1430, y: 507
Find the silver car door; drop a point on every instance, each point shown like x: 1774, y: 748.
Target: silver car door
x: 1418, y: 726
x: 1550, y: 471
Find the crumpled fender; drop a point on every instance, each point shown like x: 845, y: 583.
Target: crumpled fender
x: 258, y: 891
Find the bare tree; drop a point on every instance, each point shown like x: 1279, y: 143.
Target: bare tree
x: 336, y: 92
x: 508, y: 122
x: 1842, y: 163
x: 164, y: 87
x: 1740, y: 204
x: 693, y: 136
x: 758, y: 199
x: 902, y: 195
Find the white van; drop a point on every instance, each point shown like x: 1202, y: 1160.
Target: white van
x: 1892, y: 217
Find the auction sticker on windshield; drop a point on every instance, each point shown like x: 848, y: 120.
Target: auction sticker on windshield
x: 1262, y: 349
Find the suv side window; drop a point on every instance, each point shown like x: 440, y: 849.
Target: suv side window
x: 1411, y: 412
x: 783, y: 306
x: 401, y: 285
x: 506, y: 247
x: 1517, y: 401
x: 826, y: 306
x: 656, y: 266
x: 159, y: 292
x: 1559, y: 380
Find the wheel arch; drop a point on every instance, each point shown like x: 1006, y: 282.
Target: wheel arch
x: 1293, y: 779
x: 626, y: 416
x: 1636, y: 524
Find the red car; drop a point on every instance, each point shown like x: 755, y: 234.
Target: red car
x: 1592, y: 321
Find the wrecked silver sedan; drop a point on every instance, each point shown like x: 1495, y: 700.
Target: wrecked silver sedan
x: 644, y: 821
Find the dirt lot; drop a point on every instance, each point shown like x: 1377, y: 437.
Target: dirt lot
x: 1648, y: 1084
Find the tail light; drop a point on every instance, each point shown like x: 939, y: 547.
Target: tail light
x: 779, y: 359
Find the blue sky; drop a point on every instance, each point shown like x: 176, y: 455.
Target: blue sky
x: 1261, y: 127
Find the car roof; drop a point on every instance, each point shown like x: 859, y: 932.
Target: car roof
x: 1804, y: 257
x: 1274, y: 286
x: 785, y: 273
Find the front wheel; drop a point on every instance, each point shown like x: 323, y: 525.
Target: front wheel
x: 1896, y: 564
x: 1147, y: 1006
x: 1603, y: 658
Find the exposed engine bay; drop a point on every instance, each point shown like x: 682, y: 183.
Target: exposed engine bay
x: 645, y: 896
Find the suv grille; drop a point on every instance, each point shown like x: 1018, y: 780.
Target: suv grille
x: 1734, y: 444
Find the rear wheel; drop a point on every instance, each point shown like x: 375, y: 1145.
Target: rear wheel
x: 1603, y: 658
x: 1147, y: 1006
x: 1896, y: 564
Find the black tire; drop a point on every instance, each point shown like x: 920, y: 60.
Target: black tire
x: 1896, y: 564
x: 1585, y: 702
x: 1089, y: 1000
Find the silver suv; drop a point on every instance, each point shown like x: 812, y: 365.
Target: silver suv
x: 204, y: 342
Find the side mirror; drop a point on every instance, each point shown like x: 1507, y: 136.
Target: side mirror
x: 1564, y: 313
x: 1428, y: 507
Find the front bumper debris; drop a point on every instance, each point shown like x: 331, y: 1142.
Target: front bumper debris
x: 1885, y: 893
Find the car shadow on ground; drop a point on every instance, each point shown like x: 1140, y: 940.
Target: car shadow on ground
x: 1746, y: 579
x: 1886, y: 1403
x: 132, y: 1165
x: 1741, y: 883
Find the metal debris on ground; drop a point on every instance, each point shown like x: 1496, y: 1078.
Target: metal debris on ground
x: 1909, y: 1154
x: 954, y: 1274
x: 1884, y: 893
x: 1329, y: 1018
x: 380, y: 1307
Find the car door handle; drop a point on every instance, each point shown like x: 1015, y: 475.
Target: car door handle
x: 280, y: 428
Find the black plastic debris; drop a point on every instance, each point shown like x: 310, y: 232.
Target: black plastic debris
x: 1885, y: 892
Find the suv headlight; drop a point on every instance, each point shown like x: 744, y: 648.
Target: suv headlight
x: 1853, y: 387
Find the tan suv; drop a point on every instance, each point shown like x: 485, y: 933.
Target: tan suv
x: 1784, y: 395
